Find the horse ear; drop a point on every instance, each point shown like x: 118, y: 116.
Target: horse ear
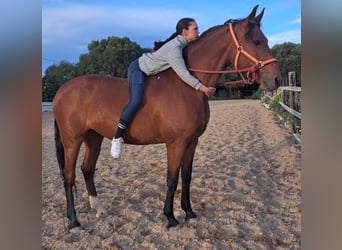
x: 251, y: 16
x: 259, y: 17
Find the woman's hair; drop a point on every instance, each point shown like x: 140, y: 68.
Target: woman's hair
x: 184, y: 23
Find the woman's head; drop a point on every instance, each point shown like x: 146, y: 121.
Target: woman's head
x: 187, y: 27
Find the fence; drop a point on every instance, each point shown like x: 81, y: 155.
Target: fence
x: 46, y: 106
x: 291, y: 98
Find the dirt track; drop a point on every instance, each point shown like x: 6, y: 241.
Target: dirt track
x: 245, y: 190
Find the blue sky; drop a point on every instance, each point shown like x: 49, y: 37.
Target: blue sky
x: 68, y: 26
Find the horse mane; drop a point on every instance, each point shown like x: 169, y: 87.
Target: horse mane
x: 233, y: 21
x: 209, y: 30
x: 205, y: 33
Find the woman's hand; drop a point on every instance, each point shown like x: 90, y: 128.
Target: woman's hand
x: 209, y: 91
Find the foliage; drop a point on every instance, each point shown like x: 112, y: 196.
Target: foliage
x: 288, y: 56
x: 59, y: 74
x: 55, y: 76
x: 110, y: 56
x: 49, y: 90
x: 291, y: 121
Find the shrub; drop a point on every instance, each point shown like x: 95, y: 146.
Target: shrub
x: 289, y: 120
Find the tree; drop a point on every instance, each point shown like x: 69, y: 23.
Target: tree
x: 110, y: 56
x: 60, y: 73
x: 289, y: 58
x: 55, y: 76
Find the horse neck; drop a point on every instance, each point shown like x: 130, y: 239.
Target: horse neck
x: 213, y: 51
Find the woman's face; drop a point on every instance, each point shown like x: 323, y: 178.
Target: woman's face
x: 192, y: 33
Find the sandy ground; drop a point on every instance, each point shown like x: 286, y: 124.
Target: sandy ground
x: 245, y: 190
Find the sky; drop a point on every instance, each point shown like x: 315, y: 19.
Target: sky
x: 68, y: 26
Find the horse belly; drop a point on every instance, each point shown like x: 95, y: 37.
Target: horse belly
x: 157, y: 124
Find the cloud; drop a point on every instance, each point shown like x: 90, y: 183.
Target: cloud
x: 67, y: 29
x: 296, y: 21
x: 293, y: 36
x: 83, y: 23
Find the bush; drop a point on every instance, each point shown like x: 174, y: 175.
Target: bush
x: 289, y: 120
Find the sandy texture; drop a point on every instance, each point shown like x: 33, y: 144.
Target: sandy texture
x: 245, y: 190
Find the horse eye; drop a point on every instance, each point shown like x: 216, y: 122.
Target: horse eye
x: 256, y: 42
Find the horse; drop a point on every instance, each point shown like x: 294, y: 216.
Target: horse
x: 87, y: 109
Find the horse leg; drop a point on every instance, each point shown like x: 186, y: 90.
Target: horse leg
x: 186, y: 172
x: 92, y: 144
x: 71, y: 152
x: 175, y: 153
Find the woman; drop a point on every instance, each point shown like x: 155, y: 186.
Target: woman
x: 167, y: 54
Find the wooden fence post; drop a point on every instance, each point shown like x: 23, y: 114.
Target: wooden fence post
x: 292, y: 83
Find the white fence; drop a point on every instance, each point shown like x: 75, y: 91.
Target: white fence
x: 291, y: 98
x: 46, y: 106
x: 291, y: 104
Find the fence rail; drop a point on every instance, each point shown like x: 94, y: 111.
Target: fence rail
x: 291, y: 88
x: 291, y: 98
x: 46, y: 106
x: 292, y: 102
x: 290, y: 110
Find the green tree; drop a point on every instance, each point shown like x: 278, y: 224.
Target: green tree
x: 55, y: 76
x: 289, y: 58
x: 58, y: 74
x: 110, y: 56
x: 48, y: 91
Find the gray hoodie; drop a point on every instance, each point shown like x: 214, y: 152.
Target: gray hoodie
x: 169, y: 55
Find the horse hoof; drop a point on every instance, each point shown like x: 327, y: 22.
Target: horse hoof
x: 173, y: 224
x: 190, y: 215
x: 75, y: 230
x: 173, y: 227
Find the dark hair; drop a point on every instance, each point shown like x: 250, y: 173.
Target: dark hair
x: 184, y: 23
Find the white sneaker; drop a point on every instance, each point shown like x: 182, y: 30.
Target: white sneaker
x: 117, y: 147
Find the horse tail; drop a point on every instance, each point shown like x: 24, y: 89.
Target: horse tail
x: 59, y: 150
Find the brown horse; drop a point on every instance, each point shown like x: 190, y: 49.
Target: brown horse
x: 87, y: 109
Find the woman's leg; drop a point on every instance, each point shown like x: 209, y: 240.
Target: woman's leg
x: 136, y: 81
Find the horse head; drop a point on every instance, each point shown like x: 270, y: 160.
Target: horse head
x: 253, y: 52
x: 241, y: 43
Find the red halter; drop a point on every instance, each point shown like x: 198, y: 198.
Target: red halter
x: 251, y: 70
